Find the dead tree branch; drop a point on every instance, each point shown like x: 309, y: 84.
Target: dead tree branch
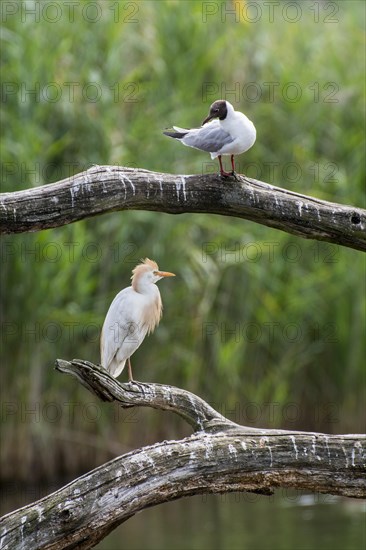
x: 220, y: 456
x: 108, y: 188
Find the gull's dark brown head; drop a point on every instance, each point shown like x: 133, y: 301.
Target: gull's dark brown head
x: 217, y: 110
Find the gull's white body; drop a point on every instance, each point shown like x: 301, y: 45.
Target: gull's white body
x: 232, y: 136
x: 133, y: 314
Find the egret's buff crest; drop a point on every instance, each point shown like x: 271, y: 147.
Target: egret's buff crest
x: 145, y: 265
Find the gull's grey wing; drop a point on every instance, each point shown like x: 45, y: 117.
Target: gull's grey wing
x: 210, y: 137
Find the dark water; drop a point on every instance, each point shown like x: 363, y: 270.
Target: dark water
x: 237, y: 521
x: 240, y: 521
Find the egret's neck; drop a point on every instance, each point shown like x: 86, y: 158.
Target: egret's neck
x: 147, y: 288
x: 151, y: 306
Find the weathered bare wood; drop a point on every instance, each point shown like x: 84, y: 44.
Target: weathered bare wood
x: 85, y: 511
x: 107, y: 188
x: 137, y: 394
x: 220, y: 456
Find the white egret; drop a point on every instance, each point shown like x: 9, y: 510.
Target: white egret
x: 134, y: 312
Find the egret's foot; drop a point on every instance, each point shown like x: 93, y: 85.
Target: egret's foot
x: 140, y: 385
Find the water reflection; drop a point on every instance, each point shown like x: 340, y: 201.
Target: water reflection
x: 238, y: 521
x: 235, y: 521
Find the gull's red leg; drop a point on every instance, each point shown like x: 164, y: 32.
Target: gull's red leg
x: 233, y: 163
x: 222, y: 171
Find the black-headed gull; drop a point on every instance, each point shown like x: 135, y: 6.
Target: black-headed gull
x: 231, y: 133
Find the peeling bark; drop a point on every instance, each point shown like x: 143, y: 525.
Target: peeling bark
x: 108, y: 188
x: 220, y: 456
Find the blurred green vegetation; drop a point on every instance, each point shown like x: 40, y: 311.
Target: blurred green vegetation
x: 267, y: 327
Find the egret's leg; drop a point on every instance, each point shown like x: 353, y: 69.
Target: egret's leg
x: 130, y: 377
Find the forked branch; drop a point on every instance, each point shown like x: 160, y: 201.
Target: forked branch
x: 220, y: 456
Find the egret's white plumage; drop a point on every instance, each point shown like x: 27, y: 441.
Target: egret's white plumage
x: 231, y: 133
x: 134, y: 313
